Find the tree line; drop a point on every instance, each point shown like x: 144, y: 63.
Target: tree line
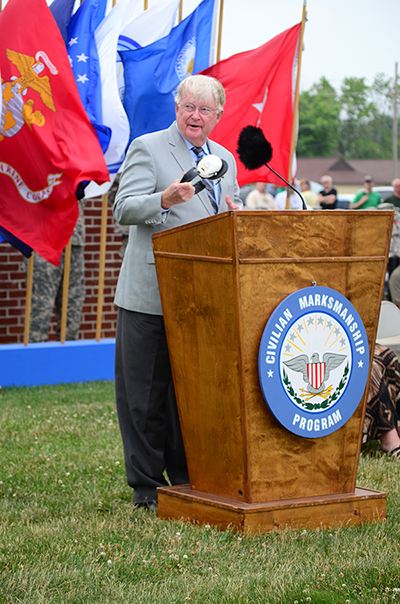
x: 354, y: 123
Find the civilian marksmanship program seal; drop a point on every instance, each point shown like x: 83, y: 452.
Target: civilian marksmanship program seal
x: 314, y: 361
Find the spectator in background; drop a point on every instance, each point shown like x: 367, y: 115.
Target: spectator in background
x: 259, y: 199
x: 295, y: 200
x: 394, y: 286
x: 367, y: 198
x: 382, y: 417
x: 393, y: 266
x: 327, y: 198
x: 395, y: 198
x: 310, y: 197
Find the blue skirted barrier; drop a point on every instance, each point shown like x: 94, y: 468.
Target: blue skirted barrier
x: 55, y: 363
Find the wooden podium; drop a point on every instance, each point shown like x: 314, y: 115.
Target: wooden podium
x: 220, y: 279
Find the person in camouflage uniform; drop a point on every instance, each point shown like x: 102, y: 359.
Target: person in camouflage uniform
x: 47, y: 289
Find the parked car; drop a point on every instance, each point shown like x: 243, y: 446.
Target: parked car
x: 344, y: 201
x: 384, y: 192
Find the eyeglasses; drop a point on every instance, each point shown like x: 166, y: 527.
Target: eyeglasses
x: 190, y: 108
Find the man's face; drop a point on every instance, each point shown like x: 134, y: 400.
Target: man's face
x: 368, y: 185
x: 396, y: 187
x: 196, y: 126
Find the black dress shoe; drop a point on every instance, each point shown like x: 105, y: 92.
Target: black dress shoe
x: 147, y: 505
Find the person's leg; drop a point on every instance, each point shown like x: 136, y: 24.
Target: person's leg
x: 46, y: 278
x: 389, y: 440
x: 76, y: 295
x: 142, y: 381
x: 175, y: 458
x: 383, y: 402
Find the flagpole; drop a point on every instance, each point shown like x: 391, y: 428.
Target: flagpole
x: 102, y: 266
x: 28, y: 304
x: 64, y: 304
x: 296, y: 102
x: 64, y: 307
x: 221, y: 14
x: 103, y: 244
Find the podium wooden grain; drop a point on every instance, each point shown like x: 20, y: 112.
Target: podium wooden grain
x: 220, y: 279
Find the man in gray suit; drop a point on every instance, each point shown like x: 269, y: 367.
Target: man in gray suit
x: 151, y: 199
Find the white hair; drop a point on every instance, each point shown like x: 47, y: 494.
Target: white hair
x: 202, y: 87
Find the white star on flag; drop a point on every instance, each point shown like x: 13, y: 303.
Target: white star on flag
x: 82, y: 79
x: 260, y: 106
x: 82, y: 57
x: 73, y: 41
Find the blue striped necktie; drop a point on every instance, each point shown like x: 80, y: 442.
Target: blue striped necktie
x: 208, y: 185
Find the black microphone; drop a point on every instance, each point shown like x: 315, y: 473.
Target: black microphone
x: 255, y: 151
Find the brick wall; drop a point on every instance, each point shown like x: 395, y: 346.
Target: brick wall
x: 13, y: 287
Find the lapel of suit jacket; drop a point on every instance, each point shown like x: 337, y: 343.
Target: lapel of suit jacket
x: 182, y: 156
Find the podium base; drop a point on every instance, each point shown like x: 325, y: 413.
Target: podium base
x: 183, y: 503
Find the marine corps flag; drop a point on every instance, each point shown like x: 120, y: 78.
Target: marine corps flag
x: 47, y: 144
x: 259, y: 87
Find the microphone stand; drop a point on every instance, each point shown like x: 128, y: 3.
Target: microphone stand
x: 289, y: 185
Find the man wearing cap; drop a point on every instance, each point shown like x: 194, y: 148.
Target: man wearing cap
x: 367, y: 198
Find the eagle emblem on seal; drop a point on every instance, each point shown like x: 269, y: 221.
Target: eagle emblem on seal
x: 314, y: 372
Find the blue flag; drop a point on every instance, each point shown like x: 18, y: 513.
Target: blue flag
x: 84, y: 59
x: 153, y: 73
x: 17, y: 243
x: 62, y: 12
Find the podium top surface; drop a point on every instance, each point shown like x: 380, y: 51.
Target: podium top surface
x: 272, y: 234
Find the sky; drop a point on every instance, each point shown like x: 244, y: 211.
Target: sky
x: 342, y: 38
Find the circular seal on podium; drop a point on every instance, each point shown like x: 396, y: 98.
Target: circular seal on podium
x: 314, y: 361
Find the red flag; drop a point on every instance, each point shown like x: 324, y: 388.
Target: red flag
x: 47, y: 144
x: 259, y: 87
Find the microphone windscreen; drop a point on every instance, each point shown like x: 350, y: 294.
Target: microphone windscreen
x: 253, y: 148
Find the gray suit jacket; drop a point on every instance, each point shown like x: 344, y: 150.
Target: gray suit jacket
x: 153, y: 162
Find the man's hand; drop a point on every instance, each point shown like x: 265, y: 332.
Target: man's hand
x: 360, y: 202
x: 231, y: 205
x: 178, y: 192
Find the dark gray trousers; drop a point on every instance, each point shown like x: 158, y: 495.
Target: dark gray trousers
x: 146, y: 405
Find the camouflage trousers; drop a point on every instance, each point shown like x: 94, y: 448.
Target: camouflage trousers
x: 47, y: 291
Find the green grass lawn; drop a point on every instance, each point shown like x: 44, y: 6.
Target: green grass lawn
x: 69, y: 534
